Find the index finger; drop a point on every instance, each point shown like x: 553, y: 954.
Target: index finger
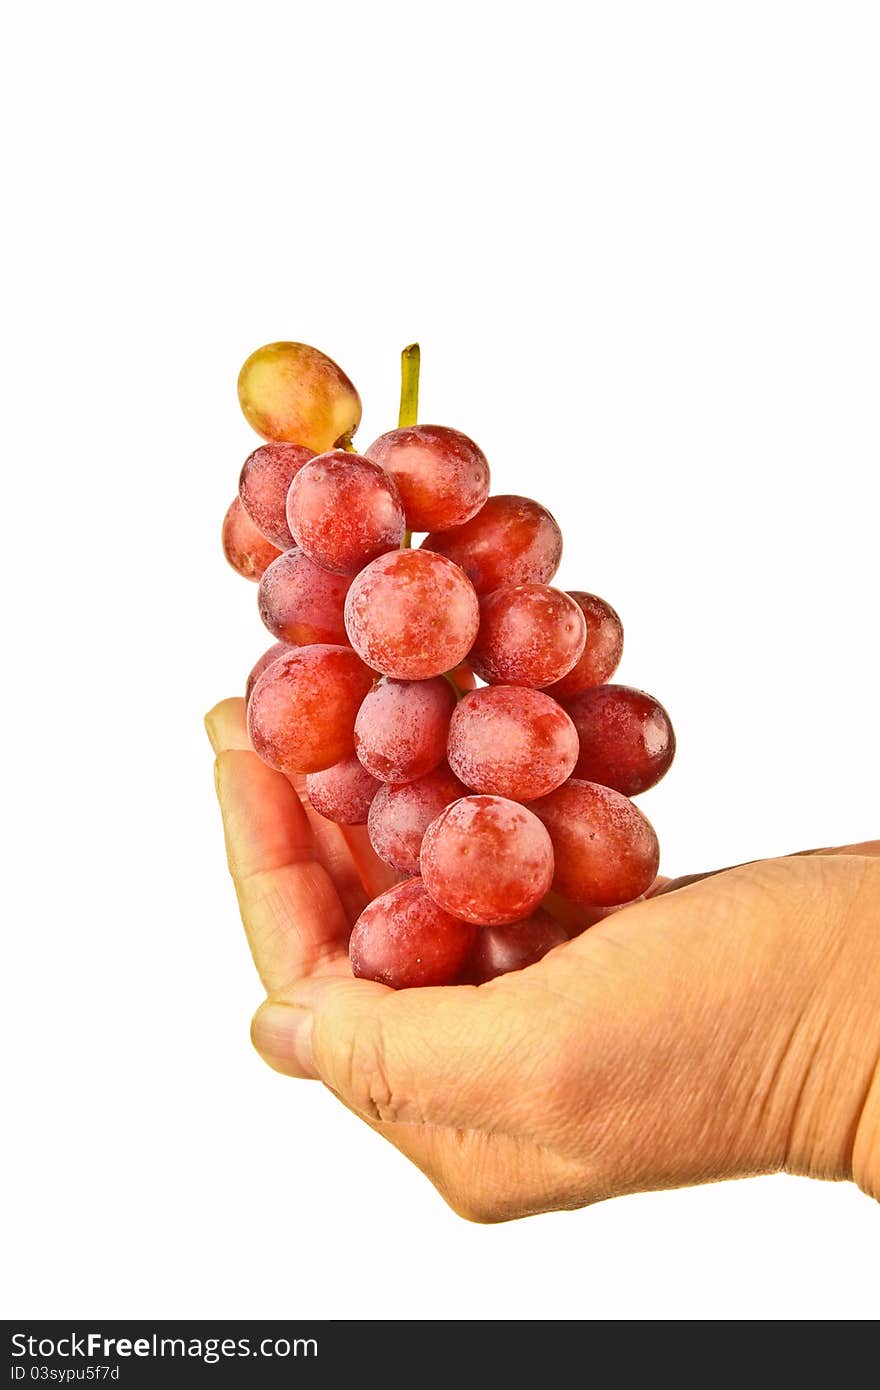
x: 292, y: 914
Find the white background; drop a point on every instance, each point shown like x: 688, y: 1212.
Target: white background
x: 639, y: 246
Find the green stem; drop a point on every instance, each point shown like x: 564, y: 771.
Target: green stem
x: 457, y: 690
x: 410, y: 361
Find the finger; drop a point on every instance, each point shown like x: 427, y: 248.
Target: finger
x: 425, y: 1056
x: 867, y: 848
x: 345, y: 851
x: 870, y: 849
x: 333, y: 852
x: 226, y: 725
x: 292, y: 914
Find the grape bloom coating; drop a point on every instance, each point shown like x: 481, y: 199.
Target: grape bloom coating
x: 401, y: 728
x: 487, y: 860
x: 605, y: 851
x: 246, y: 549
x: 446, y: 698
x: 411, y: 614
x: 510, y: 741
x: 343, y: 511
x: 403, y: 939
x: 626, y: 737
x: 264, y: 484
x: 400, y: 815
x: 302, y: 708
x: 499, y: 950
x: 271, y: 654
x: 301, y: 603
x: 602, y: 651
x: 511, y: 540
x: 343, y: 792
x: 529, y: 634
x: 442, y: 475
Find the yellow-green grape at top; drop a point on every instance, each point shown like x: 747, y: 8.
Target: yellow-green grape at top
x: 293, y: 392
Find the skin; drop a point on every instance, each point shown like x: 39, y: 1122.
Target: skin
x: 728, y: 1026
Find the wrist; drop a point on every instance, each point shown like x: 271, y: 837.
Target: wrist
x: 866, y: 1147
x: 834, y: 1129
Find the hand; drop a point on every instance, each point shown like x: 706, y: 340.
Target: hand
x: 728, y: 1026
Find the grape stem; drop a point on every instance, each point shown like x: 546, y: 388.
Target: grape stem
x: 410, y: 364
x: 456, y: 688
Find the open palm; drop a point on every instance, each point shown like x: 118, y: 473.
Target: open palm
x: 729, y: 1027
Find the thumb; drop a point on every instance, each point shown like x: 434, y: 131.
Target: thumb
x: 422, y: 1056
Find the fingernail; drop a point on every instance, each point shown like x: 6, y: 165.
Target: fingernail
x: 282, y: 1034
x: 211, y: 730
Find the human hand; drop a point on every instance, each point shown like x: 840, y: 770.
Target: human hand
x: 728, y: 1026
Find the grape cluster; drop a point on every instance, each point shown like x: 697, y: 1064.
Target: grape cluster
x: 505, y: 807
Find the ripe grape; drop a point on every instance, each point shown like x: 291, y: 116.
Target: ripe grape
x: 606, y: 851
x: 403, y: 939
x: 400, y: 731
x: 529, y: 635
x: 499, y: 950
x: 301, y: 603
x: 292, y: 392
x: 487, y: 860
x: 343, y: 511
x: 246, y: 548
x: 343, y: 792
x: 626, y: 737
x: 602, y: 651
x: 506, y: 740
x: 400, y: 815
x: 302, y: 708
x: 411, y: 614
x: 442, y: 475
x: 511, y: 540
x: 265, y: 479
x: 271, y: 654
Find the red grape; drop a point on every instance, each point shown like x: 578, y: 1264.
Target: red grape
x: 343, y: 792
x: 272, y: 654
x: 443, y: 477
x: 403, y: 939
x: 487, y: 860
x: 399, y: 816
x: 246, y: 549
x: 302, y: 708
x: 626, y: 737
x: 529, y: 635
x: 343, y: 511
x: 606, y: 851
x: 505, y: 740
x: 263, y: 485
x: 602, y: 651
x: 301, y: 603
x: 499, y: 950
x: 411, y: 614
x: 293, y: 392
x: 400, y: 731
x: 511, y: 540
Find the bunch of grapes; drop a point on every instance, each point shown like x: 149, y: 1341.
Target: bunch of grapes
x: 505, y: 805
